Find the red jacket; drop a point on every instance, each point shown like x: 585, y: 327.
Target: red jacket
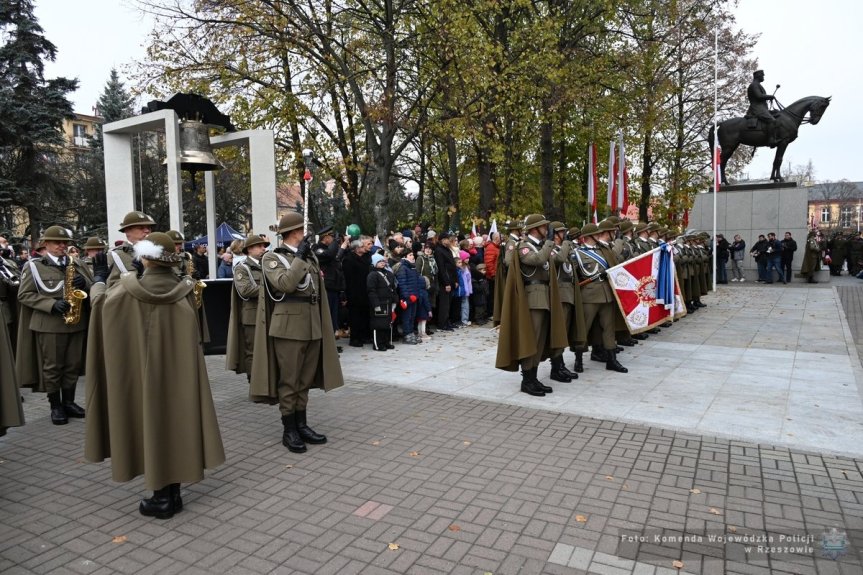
x: 492, y: 252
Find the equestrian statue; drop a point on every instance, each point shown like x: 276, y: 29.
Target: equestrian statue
x: 762, y: 126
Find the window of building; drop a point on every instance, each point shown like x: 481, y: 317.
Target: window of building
x: 79, y: 135
x: 845, y: 217
x: 825, y: 215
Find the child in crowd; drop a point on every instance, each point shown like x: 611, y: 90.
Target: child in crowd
x: 381, y: 286
x: 465, y: 287
x: 409, y: 291
x: 479, y: 298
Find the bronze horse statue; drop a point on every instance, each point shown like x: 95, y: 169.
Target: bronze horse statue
x: 736, y: 131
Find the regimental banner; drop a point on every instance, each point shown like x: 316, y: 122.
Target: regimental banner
x: 638, y: 285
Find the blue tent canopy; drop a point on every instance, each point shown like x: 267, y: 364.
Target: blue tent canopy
x: 225, y: 234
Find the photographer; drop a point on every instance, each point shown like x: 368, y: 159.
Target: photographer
x: 758, y: 253
x: 722, y: 246
x: 774, y: 258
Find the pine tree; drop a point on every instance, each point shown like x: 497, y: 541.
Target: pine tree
x: 115, y: 103
x: 31, y: 115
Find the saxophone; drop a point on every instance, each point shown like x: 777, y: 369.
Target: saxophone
x: 199, y: 285
x: 74, y: 297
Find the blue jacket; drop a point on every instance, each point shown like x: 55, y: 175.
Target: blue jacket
x: 224, y: 270
x: 409, y: 280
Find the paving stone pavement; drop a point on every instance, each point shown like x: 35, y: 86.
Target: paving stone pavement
x: 419, y: 481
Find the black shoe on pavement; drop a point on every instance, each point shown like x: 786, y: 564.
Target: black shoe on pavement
x: 290, y: 436
x: 160, y: 505
x: 308, y: 434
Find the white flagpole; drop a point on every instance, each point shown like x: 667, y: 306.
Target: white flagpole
x: 715, y: 140
x: 611, y: 190
x: 621, y: 166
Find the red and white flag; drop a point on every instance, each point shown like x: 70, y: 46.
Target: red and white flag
x: 593, y: 216
x: 634, y: 284
x: 612, y: 178
x: 473, y: 230
x: 622, y: 180
x: 493, y: 229
x: 717, y: 167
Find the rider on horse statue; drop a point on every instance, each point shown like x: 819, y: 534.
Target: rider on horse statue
x: 758, y: 98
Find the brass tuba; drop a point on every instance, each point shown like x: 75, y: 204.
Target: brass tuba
x: 74, y: 297
x: 199, y: 285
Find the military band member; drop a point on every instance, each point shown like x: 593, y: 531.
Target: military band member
x: 137, y: 226
x: 570, y: 302
x: 244, y: 306
x: 51, y: 346
x: 503, y: 259
x: 179, y: 241
x: 150, y: 407
x: 513, y: 238
x: 295, y: 347
x: 599, y: 304
x: 94, y: 245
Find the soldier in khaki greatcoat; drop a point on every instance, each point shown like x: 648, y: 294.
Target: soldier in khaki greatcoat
x: 50, y: 350
x: 244, y: 306
x: 137, y: 226
x: 150, y: 408
x: 295, y: 347
x: 11, y: 414
x: 567, y: 290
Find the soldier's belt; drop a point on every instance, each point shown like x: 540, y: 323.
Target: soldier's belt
x: 535, y: 282
x: 313, y: 299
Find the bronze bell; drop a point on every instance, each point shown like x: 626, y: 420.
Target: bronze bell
x: 196, y: 155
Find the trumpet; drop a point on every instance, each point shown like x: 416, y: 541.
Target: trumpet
x: 74, y: 297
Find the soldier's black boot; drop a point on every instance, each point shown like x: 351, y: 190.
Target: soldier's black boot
x: 612, y: 364
x: 308, y: 434
x: 58, y: 414
x: 556, y: 371
x: 175, y: 496
x: 579, y: 362
x: 160, y: 505
x: 72, y: 409
x: 534, y: 375
x: 640, y: 336
x: 598, y: 354
x: 291, y: 437
x: 565, y: 370
x: 529, y: 385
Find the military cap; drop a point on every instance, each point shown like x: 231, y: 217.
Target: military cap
x: 95, y: 243
x: 662, y: 230
x: 557, y: 226
x: 606, y: 226
x: 254, y: 240
x: 673, y: 232
x: 158, y: 247
x: 326, y: 230
x: 513, y: 225
x: 534, y: 221
x: 57, y: 234
x: 652, y: 227
x: 176, y: 236
x: 640, y: 227
x: 136, y: 219
x: 613, y: 219
x: 573, y: 233
x: 625, y: 225
x: 289, y: 222
x: 590, y: 230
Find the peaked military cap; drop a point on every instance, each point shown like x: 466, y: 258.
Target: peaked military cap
x: 136, y: 219
x: 534, y: 221
x: 176, y: 236
x: 289, y: 222
x: 57, y: 234
x: 325, y: 231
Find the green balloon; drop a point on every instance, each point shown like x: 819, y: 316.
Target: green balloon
x: 354, y: 231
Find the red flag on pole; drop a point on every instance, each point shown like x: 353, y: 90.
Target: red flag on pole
x: 686, y: 218
x: 717, y: 165
x: 473, y: 233
x: 591, y: 183
x: 612, y: 178
x: 622, y: 192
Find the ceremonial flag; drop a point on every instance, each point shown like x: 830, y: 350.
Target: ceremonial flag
x: 612, y: 178
x: 473, y: 230
x: 378, y: 242
x: 622, y: 192
x: 492, y: 229
x: 685, y: 219
x: 643, y: 289
x: 717, y: 167
x: 591, y: 184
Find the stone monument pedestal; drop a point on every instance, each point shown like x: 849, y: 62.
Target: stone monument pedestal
x: 754, y: 209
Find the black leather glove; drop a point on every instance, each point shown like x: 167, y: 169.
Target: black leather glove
x: 603, y: 275
x: 60, y: 307
x: 79, y: 282
x: 549, y: 236
x: 139, y: 267
x: 100, y: 268
x: 304, y: 249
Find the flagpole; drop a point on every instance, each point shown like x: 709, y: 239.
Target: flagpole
x: 715, y: 141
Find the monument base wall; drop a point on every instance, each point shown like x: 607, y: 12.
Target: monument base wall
x: 750, y: 212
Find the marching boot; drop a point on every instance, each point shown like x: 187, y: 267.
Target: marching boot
x: 565, y: 371
x: 307, y: 433
x: 629, y: 342
x: 291, y: 437
x: 613, y: 365
x: 175, y: 496
x: 557, y: 370
x: 160, y: 505
x: 579, y: 362
x: 58, y: 414
x: 72, y: 409
x: 640, y: 336
x: 539, y: 384
x: 529, y: 385
x: 598, y: 354
x: 654, y: 330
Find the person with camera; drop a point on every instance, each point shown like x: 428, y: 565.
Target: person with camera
x: 295, y: 346
x: 774, y: 259
x: 736, y: 256
x: 758, y: 253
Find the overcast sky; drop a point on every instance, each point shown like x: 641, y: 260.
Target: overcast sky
x: 810, y: 48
